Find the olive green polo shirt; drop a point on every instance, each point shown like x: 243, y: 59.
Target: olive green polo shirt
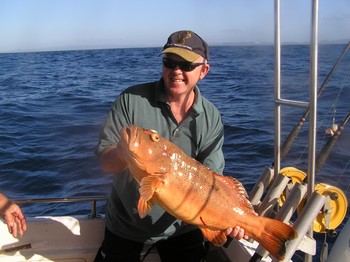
x: 200, y: 135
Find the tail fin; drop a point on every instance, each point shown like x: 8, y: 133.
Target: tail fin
x: 273, y: 236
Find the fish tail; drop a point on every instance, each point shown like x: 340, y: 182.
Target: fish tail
x: 274, y: 235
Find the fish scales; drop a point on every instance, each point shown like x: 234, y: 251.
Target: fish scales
x: 195, y: 194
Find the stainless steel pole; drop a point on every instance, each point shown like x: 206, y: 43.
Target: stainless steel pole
x: 277, y: 87
x: 313, y: 108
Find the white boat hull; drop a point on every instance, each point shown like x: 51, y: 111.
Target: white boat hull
x: 62, y: 238
x: 341, y: 248
x: 57, y: 238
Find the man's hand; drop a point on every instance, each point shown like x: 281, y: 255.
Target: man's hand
x: 13, y: 216
x: 112, y: 160
x: 236, y: 232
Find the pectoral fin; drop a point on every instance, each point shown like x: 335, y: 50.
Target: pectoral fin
x: 217, y: 237
x: 144, y: 207
x: 148, y: 186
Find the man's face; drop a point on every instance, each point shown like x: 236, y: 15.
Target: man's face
x: 178, y: 81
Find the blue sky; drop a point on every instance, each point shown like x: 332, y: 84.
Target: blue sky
x: 80, y: 24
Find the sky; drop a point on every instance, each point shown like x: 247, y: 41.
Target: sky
x: 41, y: 25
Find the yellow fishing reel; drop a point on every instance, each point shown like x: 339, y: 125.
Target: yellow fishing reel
x: 334, y: 210
x: 336, y: 204
x: 296, y: 176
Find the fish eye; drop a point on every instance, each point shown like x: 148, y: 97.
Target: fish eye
x: 155, y: 137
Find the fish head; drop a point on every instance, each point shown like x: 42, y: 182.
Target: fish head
x: 139, y: 142
x: 145, y: 150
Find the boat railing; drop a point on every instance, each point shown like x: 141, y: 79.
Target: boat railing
x: 92, y: 199
x: 311, y: 105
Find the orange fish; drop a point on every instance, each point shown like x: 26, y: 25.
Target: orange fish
x: 195, y: 194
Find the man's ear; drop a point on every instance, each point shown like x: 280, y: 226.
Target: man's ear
x: 204, y: 71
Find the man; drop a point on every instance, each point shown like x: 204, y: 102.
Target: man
x: 174, y: 107
x: 13, y: 216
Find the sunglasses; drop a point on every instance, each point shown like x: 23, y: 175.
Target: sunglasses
x: 184, y: 66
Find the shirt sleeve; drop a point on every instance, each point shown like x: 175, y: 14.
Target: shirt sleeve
x: 116, y: 120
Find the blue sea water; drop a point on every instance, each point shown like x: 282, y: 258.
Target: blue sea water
x: 53, y: 105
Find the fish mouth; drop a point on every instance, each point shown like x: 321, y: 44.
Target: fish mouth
x: 124, y: 136
x: 129, y: 137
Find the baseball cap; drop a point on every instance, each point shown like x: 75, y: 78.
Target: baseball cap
x: 186, y: 44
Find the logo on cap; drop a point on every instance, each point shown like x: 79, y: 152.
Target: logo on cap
x: 182, y: 37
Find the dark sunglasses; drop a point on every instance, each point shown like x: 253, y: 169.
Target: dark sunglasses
x: 184, y: 66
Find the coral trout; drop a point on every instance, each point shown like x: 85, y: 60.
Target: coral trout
x: 195, y: 194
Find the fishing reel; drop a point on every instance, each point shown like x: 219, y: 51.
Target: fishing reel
x: 334, y: 209
x: 296, y: 176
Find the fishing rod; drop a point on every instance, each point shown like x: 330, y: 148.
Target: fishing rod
x: 295, y: 132
x: 326, y: 150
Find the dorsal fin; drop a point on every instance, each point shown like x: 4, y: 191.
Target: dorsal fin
x: 237, y: 187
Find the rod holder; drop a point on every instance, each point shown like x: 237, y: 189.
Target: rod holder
x: 273, y: 195
x: 291, y: 204
x: 261, y: 186
x: 304, y: 222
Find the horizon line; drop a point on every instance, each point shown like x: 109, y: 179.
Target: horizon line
x: 101, y: 47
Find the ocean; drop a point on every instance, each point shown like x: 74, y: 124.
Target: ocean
x: 53, y: 105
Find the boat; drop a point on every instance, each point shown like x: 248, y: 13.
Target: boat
x: 282, y: 193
